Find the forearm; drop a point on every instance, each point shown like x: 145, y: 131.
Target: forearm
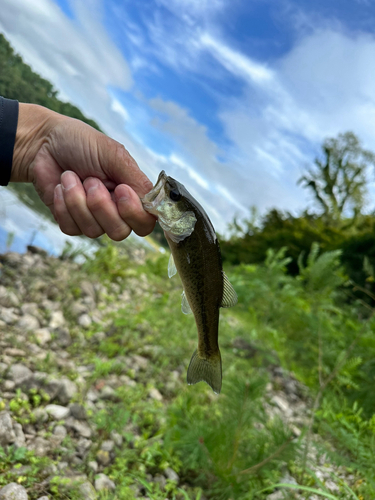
x: 34, y: 126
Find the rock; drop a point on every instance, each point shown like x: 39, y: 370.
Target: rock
x: 32, y: 309
x: 158, y: 478
x: 102, y: 482
x: 83, y: 447
x: 14, y: 352
x: 37, y: 250
x: 13, y: 491
x: 62, y: 389
x: 103, y: 457
x: 41, y: 416
x: 62, y: 337
x: 155, y: 394
x: 60, y: 432
x: 20, y: 440
x: 85, y: 321
x: 87, y: 491
x: 77, y: 309
x: 171, y: 474
x: 93, y: 465
x: 88, y: 290
x: 43, y: 498
x: 40, y: 446
x: 107, y: 445
x: 8, y: 315
x: 276, y: 495
x: 7, y: 434
x: 281, y: 402
x: 8, y: 298
x: 21, y: 376
x: 8, y: 385
x: 28, y: 323
x: 57, y: 412
x: 117, y: 438
x: 57, y: 320
x: 78, y: 411
x: 3, y: 368
x: 82, y: 428
x: 108, y: 393
x: 43, y: 336
x: 139, y: 362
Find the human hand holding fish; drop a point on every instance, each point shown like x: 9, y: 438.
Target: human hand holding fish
x: 195, y: 255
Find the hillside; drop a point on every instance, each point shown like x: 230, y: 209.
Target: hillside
x: 94, y: 402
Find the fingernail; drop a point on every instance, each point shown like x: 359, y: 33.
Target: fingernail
x: 68, y: 180
x: 123, y: 196
x: 58, y: 192
x: 91, y: 184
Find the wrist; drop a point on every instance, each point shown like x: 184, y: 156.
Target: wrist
x: 34, y: 126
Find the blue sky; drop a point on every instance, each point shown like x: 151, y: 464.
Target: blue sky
x: 231, y: 97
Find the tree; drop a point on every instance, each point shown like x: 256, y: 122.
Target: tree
x: 338, y: 180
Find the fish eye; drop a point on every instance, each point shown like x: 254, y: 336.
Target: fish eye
x: 175, y: 195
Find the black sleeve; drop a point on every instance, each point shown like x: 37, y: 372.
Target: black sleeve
x: 8, y: 128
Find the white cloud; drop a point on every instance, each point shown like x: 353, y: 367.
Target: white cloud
x: 235, y: 62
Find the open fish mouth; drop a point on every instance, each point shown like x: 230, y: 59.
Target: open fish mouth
x: 151, y: 199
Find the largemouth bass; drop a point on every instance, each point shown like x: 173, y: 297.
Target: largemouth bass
x: 195, y: 255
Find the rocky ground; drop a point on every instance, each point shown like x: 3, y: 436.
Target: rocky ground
x: 51, y: 436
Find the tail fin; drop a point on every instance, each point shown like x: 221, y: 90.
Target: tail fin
x: 208, y: 370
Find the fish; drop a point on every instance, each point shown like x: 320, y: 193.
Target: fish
x: 195, y: 255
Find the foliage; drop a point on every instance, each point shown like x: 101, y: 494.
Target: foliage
x: 338, y: 180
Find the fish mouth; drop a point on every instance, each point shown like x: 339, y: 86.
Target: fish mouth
x: 151, y: 199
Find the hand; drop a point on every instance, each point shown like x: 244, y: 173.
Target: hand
x: 90, y: 182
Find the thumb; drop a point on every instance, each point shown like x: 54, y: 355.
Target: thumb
x: 117, y: 163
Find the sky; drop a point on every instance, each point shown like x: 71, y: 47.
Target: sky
x: 233, y: 98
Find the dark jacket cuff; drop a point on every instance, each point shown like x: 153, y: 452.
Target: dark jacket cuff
x: 8, y: 129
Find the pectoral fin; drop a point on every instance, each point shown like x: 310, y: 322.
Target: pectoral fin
x: 185, y: 307
x: 229, y: 294
x: 171, y: 267
x: 208, y: 370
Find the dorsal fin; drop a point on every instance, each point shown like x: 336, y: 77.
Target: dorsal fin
x: 229, y: 294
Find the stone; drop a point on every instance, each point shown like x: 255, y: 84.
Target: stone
x: 57, y: 320
x: 102, y: 482
x: 44, y: 497
x: 57, y: 412
x: 8, y: 298
x: 155, y: 394
x: 21, y: 375
x: 43, y: 336
x: 28, y: 323
x: 41, y: 416
x: 171, y: 474
x: 103, y: 457
x: 13, y: 491
x: 88, y: 289
x: 68, y: 390
x: 32, y: 309
x: 83, y: 446
x: 62, y: 337
x: 107, y: 445
x: 276, y: 495
x: 78, y: 411
x: 7, y: 434
x: 87, y: 491
x: 82, y: 428
x: 281, y: 402
x: 40, y: 446
x: 108, y: 393
x: 8, y: 385
x: 158, y: 478
x: 60, y: 432
x: 117, y: 438
x: 14, y: 352
x: 93, y: 465
x: 139, y: 362
x: 8, y: 315
x: 20, y: 440
x: 3, y: 368
x: 84, y: 320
